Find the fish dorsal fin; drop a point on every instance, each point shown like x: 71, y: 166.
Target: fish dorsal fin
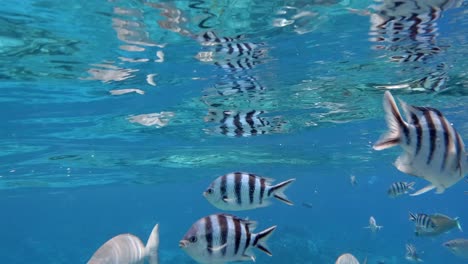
x: 412, y: 113
x: 151, y: 249
x: 423, y: 190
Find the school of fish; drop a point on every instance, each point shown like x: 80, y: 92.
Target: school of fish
x: 432, y: 150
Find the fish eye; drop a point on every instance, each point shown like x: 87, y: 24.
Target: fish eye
x: 193, y: 239
x: 209, y: 191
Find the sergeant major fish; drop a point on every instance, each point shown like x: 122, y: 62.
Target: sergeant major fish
x: 399, y: 188
x: 422, y: 221
x: 442, y: 224
x: 432, y: 148
x: 243, y: 191
x: 412, y: 254
x: 221, y: 238
x: 128, y: 249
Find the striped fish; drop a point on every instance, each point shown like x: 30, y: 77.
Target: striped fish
x: 412, y: 254
x: 128, y: 249
x: 399, y: 188
x: 422, y: 221
x: 243, y: 124
x: 221, y: 238
x: 432, y: 148
x: 243, y: 191
x: 442, y: 224
x: 210, y: 38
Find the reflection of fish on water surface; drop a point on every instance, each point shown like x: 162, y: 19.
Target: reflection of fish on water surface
x: 432, y: 148
x: 408, y: 30
x: 243, y: 123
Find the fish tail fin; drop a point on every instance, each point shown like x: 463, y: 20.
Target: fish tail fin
x: 365, y: 261
x: 278, y: 191
x: 458, y: 224
x: 151, y: 248
x: 412, y: 217
x: 411, y: 185
x: 261, y: 238
x: 395, y: 124
x: 423, y: 190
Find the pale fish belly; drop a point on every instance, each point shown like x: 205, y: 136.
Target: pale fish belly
x: 125, y: 248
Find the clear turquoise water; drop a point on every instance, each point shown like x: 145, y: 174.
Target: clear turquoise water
x: 76, y: 171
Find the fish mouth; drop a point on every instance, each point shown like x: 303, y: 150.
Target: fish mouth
x: 205, y: 193
x: 183, y: 243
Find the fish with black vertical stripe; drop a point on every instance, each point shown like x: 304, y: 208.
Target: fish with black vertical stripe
x: 399, y: 188
x: 222, y: 238
x: 244, y: 191
x: 432, y: 149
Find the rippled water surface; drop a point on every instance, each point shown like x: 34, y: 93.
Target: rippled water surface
x: 117, y: 114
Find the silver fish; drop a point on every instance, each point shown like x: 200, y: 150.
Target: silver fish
x: 243, y: 191
x: 422, y: 221
x: 412, y: 254
x: 128, y: 249
x: 347, y: 259
x: 221, y: 238
x: 442, y: 223
x: 458, y: 247
x: 399, y: 188
x: 373, y: 225
x: 432, y: 148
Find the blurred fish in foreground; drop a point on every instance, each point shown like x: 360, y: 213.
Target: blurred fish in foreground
x: 353, y: 180
x: 399, y: 188
x: 373, y: 225
x: 458, y: 247
x: 432, y: 148
x: 221, y: 238
x: 442, y: 224
x: 348, y: 258
x: 243, y: 191
x: 128, y: 249
x: 412, y: 254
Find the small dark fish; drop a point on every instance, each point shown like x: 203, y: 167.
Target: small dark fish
x: 243, y: 191
x: 432, y: 148
x: 221, y: 238
x: 308, y: 205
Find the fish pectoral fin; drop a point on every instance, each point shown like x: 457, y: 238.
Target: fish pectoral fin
x: 246, y: 257
x: 227, y: 200
x: 213, y: 249
x: 423, y: 190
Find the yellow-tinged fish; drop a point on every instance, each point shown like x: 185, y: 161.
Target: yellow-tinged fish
x: 128, y: 249
x: 442, y: 224
x: 432, y: 148
x: 458, y: 247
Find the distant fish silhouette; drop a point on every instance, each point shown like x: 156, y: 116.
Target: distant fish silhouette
x: 373, y: 225
x: 128, y: 249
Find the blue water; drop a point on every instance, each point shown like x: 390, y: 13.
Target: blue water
x: 77, y: 169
